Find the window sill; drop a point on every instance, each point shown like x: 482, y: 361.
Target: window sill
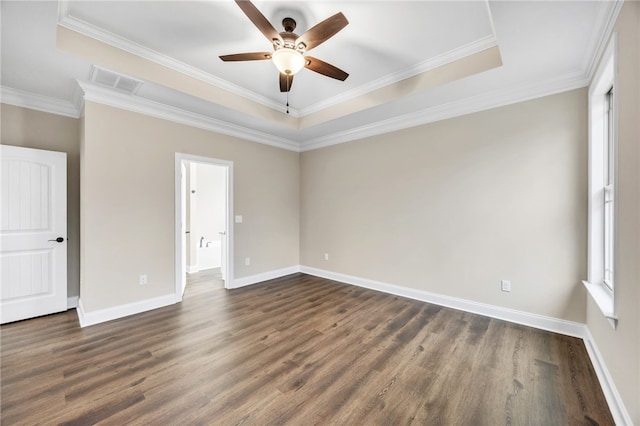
x: 604, y: 299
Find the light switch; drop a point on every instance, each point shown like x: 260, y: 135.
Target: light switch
x: 238, y: 219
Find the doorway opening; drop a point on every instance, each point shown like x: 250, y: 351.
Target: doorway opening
x: 204, y: 233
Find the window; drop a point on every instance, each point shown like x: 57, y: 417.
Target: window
x: 602, y: 177
x: 608, y: 177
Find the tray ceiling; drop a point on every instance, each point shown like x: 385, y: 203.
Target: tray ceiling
x: 409, y: 62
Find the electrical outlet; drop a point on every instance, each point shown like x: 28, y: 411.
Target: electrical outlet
x: 506, y: 285
x: 326, y: 256
x: 143, y: 279
x: 247, y: 261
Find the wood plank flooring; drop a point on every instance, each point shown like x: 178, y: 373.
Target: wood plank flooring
x: 298, y: 350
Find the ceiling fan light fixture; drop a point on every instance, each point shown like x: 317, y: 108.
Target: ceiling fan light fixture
x: 288, y: 61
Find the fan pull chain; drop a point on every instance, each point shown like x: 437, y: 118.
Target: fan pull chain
x: 288, y: 90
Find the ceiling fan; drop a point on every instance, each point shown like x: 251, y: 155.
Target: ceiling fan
x: 289, y: 48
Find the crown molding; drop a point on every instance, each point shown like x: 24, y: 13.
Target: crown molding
x: 68, y: 21
x: 102, y: 95
x: 65, y: 19
x: 489, y: 100
x: 608, y: 16
x: 493, y: 99
x: 504, y: 96
x: 78, y: 99
x: 29, y: 100
x: 390, y: 79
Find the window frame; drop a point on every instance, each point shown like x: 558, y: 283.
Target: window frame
x: 603, y: 132
x: 609, y: 191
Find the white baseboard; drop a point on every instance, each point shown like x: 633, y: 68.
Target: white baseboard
x: 616, y: 405
x: 192, y: 269
x: 72, y: 302
x: 618, y: 410
x: 108, y: 314
x: 254, y: 279
x: 555, y: 325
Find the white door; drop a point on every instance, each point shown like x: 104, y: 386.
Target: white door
x: 33, y: 233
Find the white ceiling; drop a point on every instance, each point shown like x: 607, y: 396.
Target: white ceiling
x: 545, y: 47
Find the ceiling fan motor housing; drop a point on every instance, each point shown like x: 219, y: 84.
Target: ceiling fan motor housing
x: 289, y: 37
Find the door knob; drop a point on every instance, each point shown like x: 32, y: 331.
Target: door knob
x: 58, y: 240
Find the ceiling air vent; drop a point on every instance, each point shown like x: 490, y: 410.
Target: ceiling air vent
x: 114, y: 80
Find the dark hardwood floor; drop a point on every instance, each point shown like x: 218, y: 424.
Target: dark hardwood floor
x: 298, y: 350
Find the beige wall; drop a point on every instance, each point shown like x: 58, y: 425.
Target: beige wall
x: 620, y: 348
x: 128, y: 203
x: 40, y: 130
x: 455, y: 206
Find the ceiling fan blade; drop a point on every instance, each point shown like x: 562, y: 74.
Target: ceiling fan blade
x: 323, y: 31
x: 286, y: 80
x: 324, y: 68
x: 259, y: 20
x: 253, y: 56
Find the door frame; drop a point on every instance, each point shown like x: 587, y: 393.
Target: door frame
x: 179, y: 247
